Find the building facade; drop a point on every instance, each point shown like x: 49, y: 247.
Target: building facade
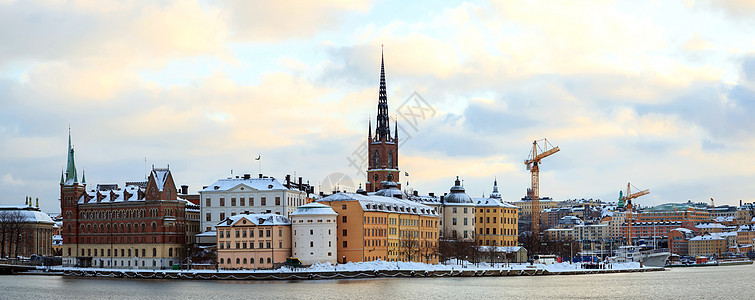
x: 374, y: 227
x: 247, y: 195
x: 140, y: 226
x: 253, y: 241
x: 496, y: 223
x: 458, y: 211
x: 678, y: 241
x: 25, y: 231
x: 314, y: 228
x: 707, y: 245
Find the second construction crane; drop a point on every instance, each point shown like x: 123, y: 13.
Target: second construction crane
x: 533, y: 164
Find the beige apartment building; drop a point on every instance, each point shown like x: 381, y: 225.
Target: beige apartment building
x: 253, y: 241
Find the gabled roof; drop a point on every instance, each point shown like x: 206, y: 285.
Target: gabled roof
x: 256, y: 219
x: 161, y: 177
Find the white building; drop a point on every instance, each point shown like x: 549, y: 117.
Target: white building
x: 457, y: 210
x: 246, y: 195
x: 314, y: 234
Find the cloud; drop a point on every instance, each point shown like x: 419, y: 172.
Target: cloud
x: 8, y: 180
x: 274, y: 21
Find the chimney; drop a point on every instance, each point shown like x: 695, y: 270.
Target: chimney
x: 432, y: 194
x: 416, y: 193
x: 301, y: 187
x: 185, y: 189
x: 247, y: 176
x: 260, y: 175
x: 442, y: 198
x: 288, y: 181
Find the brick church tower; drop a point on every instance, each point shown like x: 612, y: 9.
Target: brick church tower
x: 382, y: 149
x: 70, y: 192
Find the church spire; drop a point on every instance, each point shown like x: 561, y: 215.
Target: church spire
x: 383, y: 132
x: 71, y: 176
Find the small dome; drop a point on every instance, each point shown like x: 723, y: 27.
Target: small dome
x: 458, y: 194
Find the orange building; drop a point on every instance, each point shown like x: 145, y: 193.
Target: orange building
x: 372, y: 227
x: 253, y: 241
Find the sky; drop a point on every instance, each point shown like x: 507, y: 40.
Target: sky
x: 657, y: 93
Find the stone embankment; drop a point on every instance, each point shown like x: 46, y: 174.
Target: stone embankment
x: 273, y: 275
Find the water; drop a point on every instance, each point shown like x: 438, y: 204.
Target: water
x: 730, y: 282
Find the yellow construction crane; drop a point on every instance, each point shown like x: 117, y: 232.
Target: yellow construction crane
x: 533, y: 162
x: 628, y: 200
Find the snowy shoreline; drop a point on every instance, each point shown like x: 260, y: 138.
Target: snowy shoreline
x: 374, y: 269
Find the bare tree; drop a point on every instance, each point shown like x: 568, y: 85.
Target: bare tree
x: 12, y: 231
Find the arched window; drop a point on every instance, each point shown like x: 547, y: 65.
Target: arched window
x: 244, y: 260
x: 222, y: 261
x: 376, y: 159
x: 170, y: 251
x: 390, y: 158
x: 154, y: 227
x: 238, y: 261
x: 268, y: 260
x: 154, y: 252
x: 262, y: 261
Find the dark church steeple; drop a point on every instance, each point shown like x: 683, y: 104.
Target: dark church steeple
x: 383, y: 131
x: 382, y: 148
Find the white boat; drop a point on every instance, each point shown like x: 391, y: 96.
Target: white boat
x: 647, y: 258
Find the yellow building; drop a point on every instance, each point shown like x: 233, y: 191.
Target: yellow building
x: 706, y: 245
x: 372, y: 227
x: 525, y: 206
x: 496, y: 221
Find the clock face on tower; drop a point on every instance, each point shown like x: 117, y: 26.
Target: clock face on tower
x: 376, y: 177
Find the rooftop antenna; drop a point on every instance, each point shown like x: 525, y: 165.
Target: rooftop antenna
x: 145, y: 167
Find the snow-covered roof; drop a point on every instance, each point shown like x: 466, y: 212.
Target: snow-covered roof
x: 161, y: 177
x: 710, y: 226
x: 260, y: 184
x: 712, y: 236
x: 313, y: 208
x: 496, y: 202
x: 748, y: 227
x: 128, y: 193
x: 685, y: 230
x: 30, y: 214
x: 725, y: 219
x: 256, y: 219
x: 384, y: 204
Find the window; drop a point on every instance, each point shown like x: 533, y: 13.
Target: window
x: 208, y: 216
x: 343, y: 207
x: 453, y: 220
x: 454, y: 210
x: 251, y: 201
x: 345, y: 232
x: 207, y: 203
x: 343, y: 219
x: 267, y: 233
x: 344, y: 244
x: 222, y: 216
x: 280, y: 232
x: 233, y: 203
x: 311, y: 244
x: 242, y: 202
x: 263, y: 201
x: 277, y: 200
x: 465, y: 221
x: 222, y: 201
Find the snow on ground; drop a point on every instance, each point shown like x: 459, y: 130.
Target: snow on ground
x: 380, y: 265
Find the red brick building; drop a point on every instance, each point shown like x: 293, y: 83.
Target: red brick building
x: 142, y: 225
x: 382, y: 149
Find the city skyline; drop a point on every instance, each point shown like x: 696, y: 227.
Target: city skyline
x: 653, y: 93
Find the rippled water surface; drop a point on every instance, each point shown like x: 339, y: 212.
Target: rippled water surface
x: 731, y: 282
